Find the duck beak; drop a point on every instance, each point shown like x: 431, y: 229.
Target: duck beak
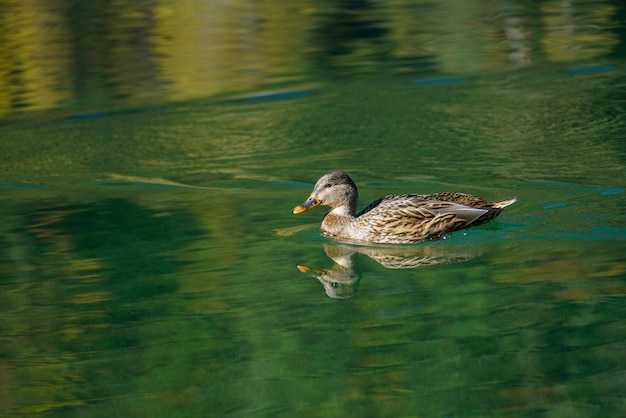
x: 311, y: 202
x: 311, y: 270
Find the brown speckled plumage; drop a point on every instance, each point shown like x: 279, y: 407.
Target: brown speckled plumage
x: 398, y: 218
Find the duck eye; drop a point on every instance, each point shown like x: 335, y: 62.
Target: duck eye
x: 327, y: 185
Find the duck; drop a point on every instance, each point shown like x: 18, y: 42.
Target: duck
x: 395, y: 218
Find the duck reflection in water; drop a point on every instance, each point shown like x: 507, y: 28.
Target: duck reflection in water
x: 341, y: 281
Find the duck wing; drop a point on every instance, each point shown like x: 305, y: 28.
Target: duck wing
x: 420, y: 206
x: 411, y: 218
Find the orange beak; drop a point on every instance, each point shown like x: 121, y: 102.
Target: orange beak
x: 311, y: 202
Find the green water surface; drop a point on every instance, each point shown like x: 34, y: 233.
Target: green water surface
x: 149, y: 260
x: 150, y: 264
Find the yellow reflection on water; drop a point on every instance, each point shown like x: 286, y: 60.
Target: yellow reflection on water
x: 572, y: 30
x: 94, y: 56
x: 34, y: 55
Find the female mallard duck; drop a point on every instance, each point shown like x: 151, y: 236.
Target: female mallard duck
x: 397, y: 218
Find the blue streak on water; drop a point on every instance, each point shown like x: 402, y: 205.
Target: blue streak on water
x: 277, y: 95
x: 595, y: 233
x: 590, y: 68
x: 554, y: 205
x: 591, y: 234
x: 93, y: 115
x: 612, y: 191
x: 89, y: 115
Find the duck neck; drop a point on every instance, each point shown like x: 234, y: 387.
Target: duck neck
x: 337, y: 221
x: 343, y: 211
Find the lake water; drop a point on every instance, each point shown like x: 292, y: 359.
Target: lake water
x: 152, y: 154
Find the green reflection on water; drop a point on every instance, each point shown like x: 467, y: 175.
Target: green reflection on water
x: 181, y: 302
x: 151, y: 267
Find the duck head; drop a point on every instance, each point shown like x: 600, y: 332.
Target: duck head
x: 336, y: 190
